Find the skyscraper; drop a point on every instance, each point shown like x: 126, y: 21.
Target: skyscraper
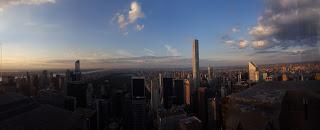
x: 138, y: 104
x: 210, y: 72
x: 167, y: 92
x: 155, y: 95
x: 195, y: 63
x: 253, y: 73
x: 138, y: 87
x: 77, y: 71
x: 179, y: 91
x: 187, y: 94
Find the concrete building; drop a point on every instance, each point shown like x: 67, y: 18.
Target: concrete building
x: 179, y: 91
x: 273, y: 106
x: 155, y: 95
x: 253, y: 72
x: 169, y: 120
x: 168, y: 93
x: 187, y: 92
x: 77, y: 71
x: 210, y: 72
x: 190, y: 123
x: 138, y: 104
x: 195, y: 63
x: 82, y: 91
x: 19, y: 112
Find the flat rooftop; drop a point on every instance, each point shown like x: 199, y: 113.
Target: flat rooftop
x: 273, y: 92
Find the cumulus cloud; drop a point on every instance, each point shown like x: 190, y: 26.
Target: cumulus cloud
x: 133, y: 15
x: 7, y: 3
x: 287, y: 23
x: 139, y: 27
x: 171, y: 51
x: 135, y: 12
x: 243, y: 44
x: 259, y: 44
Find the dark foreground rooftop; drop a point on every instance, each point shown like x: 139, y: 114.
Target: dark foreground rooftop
x: 19, y: 112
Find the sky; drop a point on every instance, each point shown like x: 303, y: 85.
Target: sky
x: 42, y: 34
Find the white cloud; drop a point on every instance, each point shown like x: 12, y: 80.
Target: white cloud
x: 7, y: 3
x: 149, y: 52
x: 229, y: 42
x: 235, y: 30
x: 259, y: 44
x: 262, y: 31
x: 135, y: 12
x: 139, y: 27
x: 122, y: 21
x: 124, y: 53
x: 171, y: 51
x: 243, y: 44
x: 133, y: 15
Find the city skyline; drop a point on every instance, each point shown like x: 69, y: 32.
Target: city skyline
x: 127, y: 34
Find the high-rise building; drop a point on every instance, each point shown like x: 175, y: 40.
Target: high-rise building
x: 81, y: 91
x: 239, y: 77
x: 202, y: 105
x: 190, y: 123
x: 167, y: 92
x: 187, y: 94
x: 155, y: 95
x: 195, y: 63
x: 138, y: 87
x: 161, y: 87
x: 179, y: 91
x: 138, y: 114
x: 44, y: 80
x: 213, y: 114
x: 138, y: 104
x: 210, y: 72
x: 77, y: 71
x: 253, y: 72
x: 169, y: 120
x: 284, y: 71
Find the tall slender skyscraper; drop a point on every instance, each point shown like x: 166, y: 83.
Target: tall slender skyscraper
x: 210, y: 72
x: 77, y: 71
x: 195, y: 63
x: 77, y: 66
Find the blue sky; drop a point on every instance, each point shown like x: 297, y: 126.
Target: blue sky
x: 34, y: 33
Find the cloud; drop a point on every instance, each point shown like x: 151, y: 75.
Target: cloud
x: 171, y: 51
x: 243, y: 44
x: 133, y: 15
x: 259, y: 44
x: 7, y: 3
x: 229, y: 42
x: 287, y: 23
x: 124, y: 53
x: 235, y: 29
x: 135, y: 12
x: 122, y: 21
x: 139, y: 27
x: 149, y: 52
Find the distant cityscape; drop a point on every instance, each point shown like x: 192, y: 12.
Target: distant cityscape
x: 254, y: 97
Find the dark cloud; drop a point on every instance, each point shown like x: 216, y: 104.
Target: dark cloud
x: 288, y: 23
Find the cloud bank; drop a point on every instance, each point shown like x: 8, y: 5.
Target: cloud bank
x: 287, y: 23
x: 7, y: 3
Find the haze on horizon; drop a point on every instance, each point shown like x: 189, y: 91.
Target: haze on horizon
x: 126, y: 34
